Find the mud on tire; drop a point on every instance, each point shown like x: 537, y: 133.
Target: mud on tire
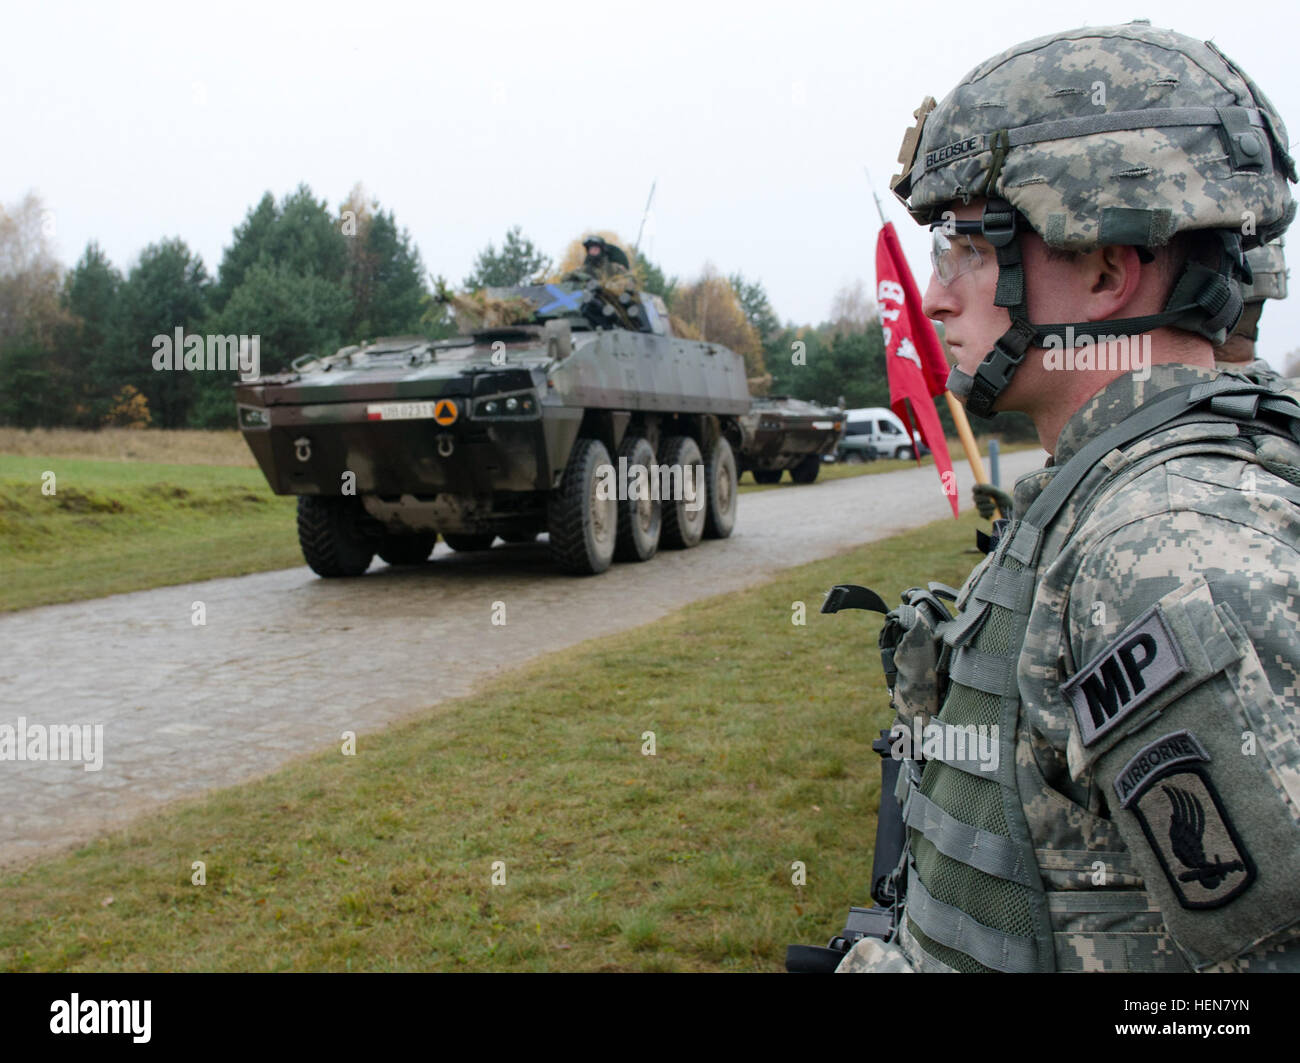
x: 330, y: 536
x: 721, y: 499
x: 583, y: 529
x: 682, y: 527
x: 640, y: 521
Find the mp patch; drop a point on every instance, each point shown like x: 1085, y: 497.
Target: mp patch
x: 1167, y: 788
x: 1123, y: 677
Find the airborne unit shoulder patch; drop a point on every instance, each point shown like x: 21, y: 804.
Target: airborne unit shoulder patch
x: 1167, y: 788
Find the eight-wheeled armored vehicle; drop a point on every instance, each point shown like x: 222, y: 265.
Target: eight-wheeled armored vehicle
x: 783, y: 433
x: 583, y: 417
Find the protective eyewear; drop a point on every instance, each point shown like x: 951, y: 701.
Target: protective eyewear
x: 952, y: 251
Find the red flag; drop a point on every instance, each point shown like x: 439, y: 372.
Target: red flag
x: 913, y: 357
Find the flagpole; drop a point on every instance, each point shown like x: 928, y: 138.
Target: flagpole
x: 955, y: 408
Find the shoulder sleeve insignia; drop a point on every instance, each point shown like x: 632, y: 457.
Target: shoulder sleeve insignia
x: 1170, y: 792
x: 1128, y: 673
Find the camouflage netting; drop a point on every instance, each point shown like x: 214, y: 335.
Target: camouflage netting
x: 478, y: 310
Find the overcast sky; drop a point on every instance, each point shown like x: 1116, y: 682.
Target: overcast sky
x: 136, y: 122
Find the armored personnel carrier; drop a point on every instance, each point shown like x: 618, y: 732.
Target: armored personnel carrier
x: 583, y: 417
x: 783, y: 433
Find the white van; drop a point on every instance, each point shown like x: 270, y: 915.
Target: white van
x: 876, y: 432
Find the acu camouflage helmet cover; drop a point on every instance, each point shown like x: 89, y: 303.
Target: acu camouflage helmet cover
x: 1107, y: 135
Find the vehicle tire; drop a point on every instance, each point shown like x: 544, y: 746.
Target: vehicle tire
x: 468, y: 544
x: 407, y: 549
x: 806, y: 471
x: 767, y: 476
x: 855, y: 457
x: 639, y: 520
x: 332, y: 543
x: 583, y: 528
x: 682, y: 527
x: 720, y: 487
x: 905, y: 453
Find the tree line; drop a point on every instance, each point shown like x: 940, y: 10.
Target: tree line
x: 76, y: 345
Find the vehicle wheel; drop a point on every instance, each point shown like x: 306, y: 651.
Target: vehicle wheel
x: 331, y: 540
x: 767, y: 476
x: 806, y: 471
x: 720, y: 484
x: 468, y: 544
x: 904, y: 453
x: 639, y: 520
x: 583, y: 527
x: 854, y: 457
x: 407, y: 549
x: 682, y: 527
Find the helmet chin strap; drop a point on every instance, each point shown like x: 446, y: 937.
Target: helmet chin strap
x: 1204, y: 300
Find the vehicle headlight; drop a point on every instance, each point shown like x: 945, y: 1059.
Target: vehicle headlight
x: 254, y: 417
x: 507, y: 406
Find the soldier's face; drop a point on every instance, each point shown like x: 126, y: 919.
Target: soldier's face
x: 964, y: 306
x: 1056, y: 290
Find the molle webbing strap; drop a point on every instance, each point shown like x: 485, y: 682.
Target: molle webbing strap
x: 981, y: 849
x: 950, y: 737
x: 988, y: 672
x: 952, y: 927
x: 956, y: 631
x: 1004, y: 587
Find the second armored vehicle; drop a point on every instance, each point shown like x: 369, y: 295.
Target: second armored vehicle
x: 783, y: 433
x: 584, y: 417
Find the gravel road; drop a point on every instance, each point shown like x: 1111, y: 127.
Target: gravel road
x: 286, y: 662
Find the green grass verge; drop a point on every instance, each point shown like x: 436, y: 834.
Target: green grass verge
x: 114, y: 526
x: 614, y: 860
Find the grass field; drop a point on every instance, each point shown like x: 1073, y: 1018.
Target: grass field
x: 613, y: 860
x: 114, y: 526
x: 164, y: 446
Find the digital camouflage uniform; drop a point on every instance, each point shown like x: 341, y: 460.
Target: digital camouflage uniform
x: 1135, y: 632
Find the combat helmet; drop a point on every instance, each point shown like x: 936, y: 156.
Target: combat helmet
x: 1103, y: 135
x: 608, y: 252
x: 1267, y: 267
x: 1267, y: 271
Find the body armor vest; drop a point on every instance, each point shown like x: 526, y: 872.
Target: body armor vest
x: 979, y: 895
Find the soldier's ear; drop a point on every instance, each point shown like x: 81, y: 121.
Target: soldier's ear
x: 1113, y: 274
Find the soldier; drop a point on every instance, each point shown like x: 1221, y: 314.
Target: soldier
x: 604, y: 260
x: 1129, y: 648
x: 1268, y: 281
